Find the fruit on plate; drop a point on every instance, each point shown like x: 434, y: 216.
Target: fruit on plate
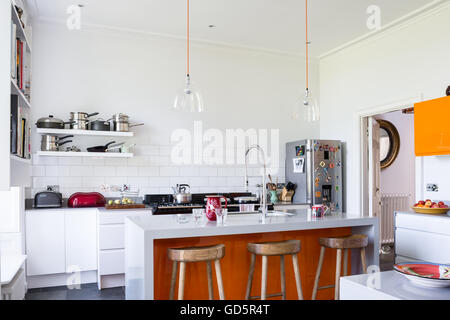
x: 431, y: 204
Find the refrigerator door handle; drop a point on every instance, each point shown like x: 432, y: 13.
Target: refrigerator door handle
x: 309, y: 173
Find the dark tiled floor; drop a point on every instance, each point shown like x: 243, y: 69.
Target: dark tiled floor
x: 86, y: 292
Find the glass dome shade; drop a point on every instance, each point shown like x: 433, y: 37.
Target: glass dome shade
x: 306, y: 108
x: 188, y: 98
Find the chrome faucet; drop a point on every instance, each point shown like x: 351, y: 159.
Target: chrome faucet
x: 264, y: 190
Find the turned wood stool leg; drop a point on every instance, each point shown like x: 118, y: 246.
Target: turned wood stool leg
x: 338, y: 273
x: 181, y: 280
x: 250, y: 276
x: 283, y: 278
x: 297, y: 277
x: 219, y: 280
x: 264, y: 278
x: 345, y: 273
x: 210, y: 284
x: 319, y: 270
x: 173, y: 279
x: 363, y: 260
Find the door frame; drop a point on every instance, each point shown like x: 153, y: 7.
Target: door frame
x: 361, y: 156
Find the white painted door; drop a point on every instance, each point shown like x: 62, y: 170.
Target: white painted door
x: 81, y: 240
x: 374, y: 168
x: 45, y: 247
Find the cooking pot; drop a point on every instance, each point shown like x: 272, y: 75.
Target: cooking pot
x: 52, y: 143
x: 180, y: 194
x: 122, y: 126
x: 99, y: 125
x: 102, y: 148
x: 51, y: 123
x: 80, y: 120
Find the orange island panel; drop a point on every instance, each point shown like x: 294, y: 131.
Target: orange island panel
x: 235, y: 265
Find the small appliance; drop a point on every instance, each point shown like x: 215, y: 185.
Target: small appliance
x: 48, y: 199
x: 86, y: 199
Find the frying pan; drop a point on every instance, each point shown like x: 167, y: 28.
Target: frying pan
x: 100, y: 148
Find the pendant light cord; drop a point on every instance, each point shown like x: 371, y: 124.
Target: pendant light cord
x: 307, y: 46
x: 188, y: 48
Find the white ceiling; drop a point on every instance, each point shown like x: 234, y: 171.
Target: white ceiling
x: 270, y: 24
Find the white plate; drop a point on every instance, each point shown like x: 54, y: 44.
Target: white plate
x: 430, y: 283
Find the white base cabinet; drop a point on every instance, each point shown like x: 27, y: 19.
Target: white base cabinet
x: 421, y: 237
x: 61, y: 241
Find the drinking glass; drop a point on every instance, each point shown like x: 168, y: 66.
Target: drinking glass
x: 199, y: 215
x: 182, y: 218
x: 221, y: 216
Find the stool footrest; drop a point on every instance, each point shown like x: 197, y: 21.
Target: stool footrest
x: 267, y: 296
x: 326, y: 287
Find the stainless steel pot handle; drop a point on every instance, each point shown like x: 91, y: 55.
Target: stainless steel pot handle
x: 135, y: 125
x: 62, y: 143
x: 92, y: 114
x: 65, y: 137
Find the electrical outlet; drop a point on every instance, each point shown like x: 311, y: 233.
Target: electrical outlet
x: 432, y: 187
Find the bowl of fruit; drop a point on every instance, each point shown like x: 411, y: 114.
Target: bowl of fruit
x: 430, y: 207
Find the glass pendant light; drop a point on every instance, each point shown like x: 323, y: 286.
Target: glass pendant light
x: 307, y: 106
x: 188, y: 99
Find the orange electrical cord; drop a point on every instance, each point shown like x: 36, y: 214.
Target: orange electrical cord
x: 188, y: 37
x: 307, y: 44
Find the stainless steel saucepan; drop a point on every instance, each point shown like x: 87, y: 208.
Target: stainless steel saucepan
x: 52, y: 143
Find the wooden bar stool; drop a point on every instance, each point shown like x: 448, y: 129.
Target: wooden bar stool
x: 356, y: 241
x: 196, y: 254
x: 289, y: 247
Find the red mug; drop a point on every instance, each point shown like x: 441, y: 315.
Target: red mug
x: 213, y: 203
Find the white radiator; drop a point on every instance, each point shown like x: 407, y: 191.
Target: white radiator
x: 389, y: 204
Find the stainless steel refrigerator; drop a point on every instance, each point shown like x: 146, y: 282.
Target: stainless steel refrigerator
x: 315, y: 167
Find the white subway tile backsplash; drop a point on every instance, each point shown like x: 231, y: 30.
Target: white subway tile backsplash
x: 208, y: 172
x: 149, y: 171
x: 104, y: 171
x: 189, y: 171
x: 159, y: 182
x: 45, y: 160
x: 217, y: 181
x: 165, y: 150
x: 226, y: 172
x: 115, y: 161
x: 116, y: 181
x: 127, y: 172
x: 38, y: 171
x: 148, y: 150
x: 95, y: 161
x: 138, y: 182
x: 169, y: 171
x: 70, y: 182
x: 235, y: 181
x: 199, y: 181
x: 93, y: 182
x: 139, y: 161
x: 70, y: 161
x: 81, y: 171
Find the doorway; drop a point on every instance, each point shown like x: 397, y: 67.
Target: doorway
x: 390, y: 167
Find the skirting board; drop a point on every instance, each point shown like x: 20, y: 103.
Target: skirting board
x: 61, y: 279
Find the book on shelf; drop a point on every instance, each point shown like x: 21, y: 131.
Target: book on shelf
x: 13, y: 50
x: 20, y: 129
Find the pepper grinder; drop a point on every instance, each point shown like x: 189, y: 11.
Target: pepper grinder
x: 448, y: 91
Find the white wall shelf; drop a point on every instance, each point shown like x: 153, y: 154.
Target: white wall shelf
x: 84, y: 154
x: 22, y: 160
x: 84, y: 132
x: 20, y: 30
x: 16, y: 91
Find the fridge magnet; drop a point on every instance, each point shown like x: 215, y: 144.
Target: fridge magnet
x: 299, y: 165
x: 299, y: 151
x: 331, y: 165
x: 318, y: 194
x: 322, y: 164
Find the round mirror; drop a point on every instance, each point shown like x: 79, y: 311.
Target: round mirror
x: 389, y: 143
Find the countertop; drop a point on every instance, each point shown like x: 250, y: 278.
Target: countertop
x: 392, y: 286
x: 168, y: 227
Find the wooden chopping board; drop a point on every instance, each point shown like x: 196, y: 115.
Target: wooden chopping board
x: 125, y: 206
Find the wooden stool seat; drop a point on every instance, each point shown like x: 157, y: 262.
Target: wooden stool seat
x: 352, y: 242
x: 282, y: 248
x: 196, y: 254
x: 274, y: 248
x: 356, y: 241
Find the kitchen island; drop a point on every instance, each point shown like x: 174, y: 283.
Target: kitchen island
x: 148, y: 270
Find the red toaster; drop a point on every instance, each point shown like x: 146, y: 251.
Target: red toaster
x: 86, y: 199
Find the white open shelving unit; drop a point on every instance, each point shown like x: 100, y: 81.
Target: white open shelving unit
x: 84, y: 154
x: 84, y: 132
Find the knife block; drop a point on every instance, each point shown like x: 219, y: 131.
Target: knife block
x: 286, y: 196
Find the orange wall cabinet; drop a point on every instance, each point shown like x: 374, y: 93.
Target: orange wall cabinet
x: 432, y: 127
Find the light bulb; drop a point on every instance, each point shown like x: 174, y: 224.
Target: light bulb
x: 188, y: 99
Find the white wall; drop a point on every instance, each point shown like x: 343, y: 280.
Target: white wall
x: 111, y: 72
x: 399, y: 177
x: 398, y: 65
